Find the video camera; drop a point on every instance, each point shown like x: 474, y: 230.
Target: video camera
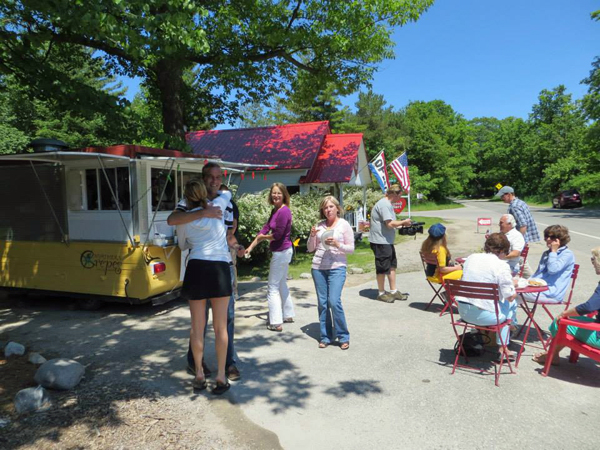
x: 412, y: 229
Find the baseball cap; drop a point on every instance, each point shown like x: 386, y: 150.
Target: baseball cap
x: 437, y: 230
x: 505, y: 190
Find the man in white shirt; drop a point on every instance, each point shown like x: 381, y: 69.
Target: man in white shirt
x: 517, y: 242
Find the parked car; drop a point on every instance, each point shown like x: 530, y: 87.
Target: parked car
x: 567, y: 198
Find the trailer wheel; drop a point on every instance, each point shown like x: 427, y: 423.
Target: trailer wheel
x: 90, y: 304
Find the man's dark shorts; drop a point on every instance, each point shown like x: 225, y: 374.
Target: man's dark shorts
x: 385, y: 258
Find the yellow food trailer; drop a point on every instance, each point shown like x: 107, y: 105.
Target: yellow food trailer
x: 91, y: 223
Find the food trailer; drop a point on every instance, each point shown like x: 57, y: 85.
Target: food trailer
x: 92, y: 223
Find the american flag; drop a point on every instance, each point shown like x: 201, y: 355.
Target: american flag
x: 400, y: 168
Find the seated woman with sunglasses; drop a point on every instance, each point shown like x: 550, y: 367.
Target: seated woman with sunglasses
x: 556, y: 266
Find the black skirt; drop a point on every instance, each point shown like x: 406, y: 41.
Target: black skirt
x: 206, y: 279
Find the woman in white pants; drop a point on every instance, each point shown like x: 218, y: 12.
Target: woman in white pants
x: 278, y: 230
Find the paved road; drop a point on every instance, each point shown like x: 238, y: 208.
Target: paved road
x: 583, y: 224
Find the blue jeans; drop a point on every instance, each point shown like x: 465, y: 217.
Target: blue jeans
x: 477, y: 316
x: 329, y: 284
x: 230, y: 359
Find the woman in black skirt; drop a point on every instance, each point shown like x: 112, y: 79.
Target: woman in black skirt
x: 207, y: 277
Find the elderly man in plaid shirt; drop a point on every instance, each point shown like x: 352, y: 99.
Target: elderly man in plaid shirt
x: 525, y: 223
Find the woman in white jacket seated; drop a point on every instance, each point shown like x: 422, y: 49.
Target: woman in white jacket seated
x: 207, y: 277
x: 489, y: 268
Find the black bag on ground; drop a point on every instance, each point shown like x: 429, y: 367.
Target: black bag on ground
x: 474, y: 343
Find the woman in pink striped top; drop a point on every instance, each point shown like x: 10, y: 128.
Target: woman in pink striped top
x: 332, y: 239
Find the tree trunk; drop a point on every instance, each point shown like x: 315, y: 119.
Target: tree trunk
x: 169, y: 80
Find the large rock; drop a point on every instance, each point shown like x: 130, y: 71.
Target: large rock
x: 36, y: 358
x: 355, y: 270
x: 14, y: 348
x: 255, y: 279
x: 30, y: 399
x: 59, y: 373
x: 305, y: 276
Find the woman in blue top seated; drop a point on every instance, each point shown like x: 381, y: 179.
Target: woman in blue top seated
x: 556, y: 266
x: 589, y: 337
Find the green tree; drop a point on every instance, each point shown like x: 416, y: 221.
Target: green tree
x: 498, y: 147
x: 380, y: 124
x: 87, y: 108
x: 242, y: 51
x: 556, y: 150
x: 588, y: 181
x: 440, y: 144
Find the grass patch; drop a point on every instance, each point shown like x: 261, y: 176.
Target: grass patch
x: 362, y: 256
x: 433, y: 206
x: 591, y: 204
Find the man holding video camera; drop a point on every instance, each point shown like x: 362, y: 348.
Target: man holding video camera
x: 381, y: 238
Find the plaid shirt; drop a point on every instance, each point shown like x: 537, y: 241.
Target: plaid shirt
x: 520, y: 210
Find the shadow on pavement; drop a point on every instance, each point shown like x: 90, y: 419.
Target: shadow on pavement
x: 312, y: 330
x: 370, y: 294
x: 360, y: 388
x: 434, y: 308
x: 584, y: 372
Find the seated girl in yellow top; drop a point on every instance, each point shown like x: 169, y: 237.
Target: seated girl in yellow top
x: 435, y: 246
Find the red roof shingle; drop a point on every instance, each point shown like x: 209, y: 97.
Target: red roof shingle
x: 293, y: 146
x: 336, y: 160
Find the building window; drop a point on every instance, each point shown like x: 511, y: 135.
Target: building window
x: 293, y: 189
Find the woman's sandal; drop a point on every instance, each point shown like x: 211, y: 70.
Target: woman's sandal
x: 323, y: 345
x: 221, y: 388
x: 277, y: 328
x: 199, y: 385
x: 288, y: 320
x: 344, y: 345
x: 540, y: 358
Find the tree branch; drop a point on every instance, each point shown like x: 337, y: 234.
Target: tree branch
x: 294, y: 16
x: 91, y: 43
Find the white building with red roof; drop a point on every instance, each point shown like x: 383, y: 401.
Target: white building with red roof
x: 302, y: 155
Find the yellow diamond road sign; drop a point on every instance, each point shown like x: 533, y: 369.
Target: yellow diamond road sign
x: 498, y: 186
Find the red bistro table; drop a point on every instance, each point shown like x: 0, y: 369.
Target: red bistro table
x: 530, y: 314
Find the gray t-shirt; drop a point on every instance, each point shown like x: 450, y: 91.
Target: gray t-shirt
x: 380, y: 234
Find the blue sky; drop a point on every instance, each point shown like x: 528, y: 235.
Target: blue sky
x: 491, y: 58
x: 488, y: 58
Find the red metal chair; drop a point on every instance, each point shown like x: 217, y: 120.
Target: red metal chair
x: 531, y: 311
x: 482, y: 291
x: 431, y: 259
x: 562, y: 339
x: 524, y: 254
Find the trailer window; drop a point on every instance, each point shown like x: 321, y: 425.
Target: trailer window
x: 98, y: 189
x: 164, y: 179
x: 184, y: 177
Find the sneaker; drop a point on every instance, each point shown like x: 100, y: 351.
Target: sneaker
x: 233, y: 373
x: 386, y: 297
x: 400, y: 296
